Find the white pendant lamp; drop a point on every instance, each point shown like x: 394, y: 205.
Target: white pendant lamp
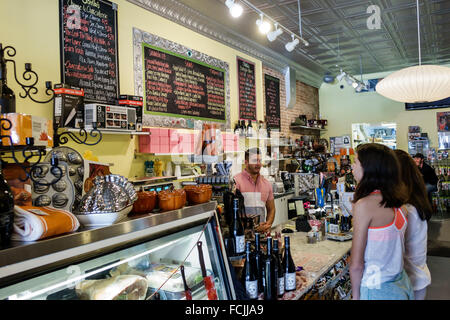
x: 422, y: 83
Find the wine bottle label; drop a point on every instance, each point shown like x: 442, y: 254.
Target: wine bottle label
x: 289, y: 279
x: 240, y: 244
x: 252, y: 289
x: 281, y: 286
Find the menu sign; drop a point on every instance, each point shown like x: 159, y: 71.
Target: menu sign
x: 247, y: 91
x: 180, y: 86
x: 272, y: 86
x: 89, y: 60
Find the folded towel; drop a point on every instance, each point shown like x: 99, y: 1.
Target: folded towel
x: 34, y: 223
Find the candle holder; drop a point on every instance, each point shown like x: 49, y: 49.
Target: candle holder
x: 29, y: 89
x: 28, y: 152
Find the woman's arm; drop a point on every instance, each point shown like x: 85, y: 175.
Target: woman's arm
x: 361, y: 223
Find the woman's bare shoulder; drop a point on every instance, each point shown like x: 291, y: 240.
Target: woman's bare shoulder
x: 367, y: 205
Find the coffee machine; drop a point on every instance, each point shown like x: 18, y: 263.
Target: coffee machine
x: 287, y: 179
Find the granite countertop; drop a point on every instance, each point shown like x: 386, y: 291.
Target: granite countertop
x: 316, y: 259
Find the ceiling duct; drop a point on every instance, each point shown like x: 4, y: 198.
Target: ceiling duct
x: 291, y: 87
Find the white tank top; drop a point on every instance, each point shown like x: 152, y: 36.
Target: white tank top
x: 415, y: 258
x: 383, y: 257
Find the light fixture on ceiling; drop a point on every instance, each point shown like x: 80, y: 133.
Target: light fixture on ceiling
x: 235, y: 8
x: 271, y: 36
x: 264, y: 26
x: 340, y: 76
x: 291, y: 45
x: 422, y: 83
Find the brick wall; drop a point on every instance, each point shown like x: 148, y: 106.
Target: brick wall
x: 307, y: 102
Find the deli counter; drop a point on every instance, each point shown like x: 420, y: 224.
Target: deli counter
x: 113, y: 262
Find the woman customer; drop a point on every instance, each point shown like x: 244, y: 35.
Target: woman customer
x: 379, y: 226
x: 419, y: 211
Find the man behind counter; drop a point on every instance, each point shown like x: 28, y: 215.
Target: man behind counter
x: 257, y: 191
x: 429, y: 176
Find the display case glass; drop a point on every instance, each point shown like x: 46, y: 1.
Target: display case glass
x: 137, y: 271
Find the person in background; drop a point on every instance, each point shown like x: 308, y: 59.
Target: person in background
x: 379, y: 226
x: 419, y: 212
x: 257, y: 191
x: 429, y: 175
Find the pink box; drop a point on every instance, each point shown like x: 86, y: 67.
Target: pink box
x: 187, y: 148
x: 144, y: 148
x: 154, y: 132
x: 174, y: 136
x: 163, y: 132
x: 154, y: 148
x: 155, y: 140
x: 164, y: 148
x: 164, y: 141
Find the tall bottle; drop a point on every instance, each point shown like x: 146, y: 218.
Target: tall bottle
x: 243, y: 128
x: 270, y: 273
x: 259, y: 261
x: 237, y: 128
x: 288, y: 267
x: 280, y: 273
x: 237, y: 229
x: 7, y: 97
x: 6, y: 211
x: 250, y: 274
x: 249, y: 129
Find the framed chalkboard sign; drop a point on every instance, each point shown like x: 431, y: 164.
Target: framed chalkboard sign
x: 89, y: 56
x: 272, y: 93
x: 247, y: 90
x: 179, y: 86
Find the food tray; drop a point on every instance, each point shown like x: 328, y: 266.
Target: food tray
x: 339, y: 236
x: 103, y: 219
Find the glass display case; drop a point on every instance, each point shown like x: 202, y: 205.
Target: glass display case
x: 136, y: 259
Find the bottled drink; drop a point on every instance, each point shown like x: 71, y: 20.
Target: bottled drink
x: 237, y: 229
x: 249, y: 129
x: 270, y: 273
x: 6, y: 211
x: 280, y: 273
x: 7, y: 97
x: 288, y: 267
x: 243, y: 128
x: 237, y: 128
x: 250, y: 274
x: 259, y: 260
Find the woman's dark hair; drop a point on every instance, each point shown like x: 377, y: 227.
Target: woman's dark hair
x: 415, y: 185
x: 381, y: 171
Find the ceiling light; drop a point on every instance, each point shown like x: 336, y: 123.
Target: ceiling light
x: 264, y: 26
x: 291, y: 45
x: 271, y: 36
x: 340, y: 76
x: 349, y: 80
x: 359, y: 87
x: 235, y: 8
x: 422, y: 83
x: 355, y: 84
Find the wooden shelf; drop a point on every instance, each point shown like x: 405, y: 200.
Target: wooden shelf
x: 103, y: 131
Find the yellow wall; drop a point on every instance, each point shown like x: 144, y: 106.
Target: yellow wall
x: 32, y: 28
x: 342, y: 107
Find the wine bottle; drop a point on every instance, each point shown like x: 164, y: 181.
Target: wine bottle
x: 270, y: 273
x: 243, y: 128
x: 249, y: 129
x: 7, y: 97
x: 280, y: 273
x: 237, y: 229
x: 6, y: 211
x: 259, y: 260
x: 237, y: 128
x: 288, y: 267
x: 250, y: 274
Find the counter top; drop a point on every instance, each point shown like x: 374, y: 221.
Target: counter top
x: 283, y: 194
x: 316, y: 259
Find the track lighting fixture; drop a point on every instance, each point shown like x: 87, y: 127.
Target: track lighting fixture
x: 291, y: 45
x: 264, y: 26
x: 271, y: 36
x: 235, y: 8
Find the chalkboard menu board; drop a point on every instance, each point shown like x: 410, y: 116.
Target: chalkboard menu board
x: 182, y: 87
x: 272, y: 88
x: 247, y: 91
x: 88, y: 30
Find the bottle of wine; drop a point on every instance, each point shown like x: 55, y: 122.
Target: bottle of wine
x: 250, y: 274
x: 7, y: 97
x: 259, y: 260
x: 237, y: 229
x: 237, y: 128
x: 270, y: 273
x: 288, y: 267
x: 243, y: 129
x: 6, y: 211
x: 249, y: 129
x: 280, y: 273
